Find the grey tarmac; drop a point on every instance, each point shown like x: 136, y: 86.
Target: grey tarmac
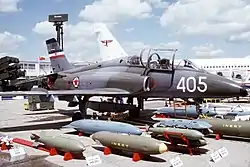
x: 13, y: 114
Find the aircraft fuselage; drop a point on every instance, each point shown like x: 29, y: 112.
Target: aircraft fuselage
x: 181, y: 82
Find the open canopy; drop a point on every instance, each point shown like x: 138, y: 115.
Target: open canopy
x: 154, y: 59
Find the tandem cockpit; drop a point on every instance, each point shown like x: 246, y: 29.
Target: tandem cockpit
x: 160, y: 59
x: 153, y: 59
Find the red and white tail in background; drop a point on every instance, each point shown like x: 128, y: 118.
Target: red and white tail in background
x: 109, y: 46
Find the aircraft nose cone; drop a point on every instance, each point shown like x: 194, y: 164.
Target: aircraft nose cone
x: 243, y: 92
x: 224, y: 87
x: 163, y: 148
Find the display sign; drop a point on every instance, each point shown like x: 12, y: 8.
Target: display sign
x: 215, y: 156
x: 176, y: 162
x: 93, y: 160
x: 17, y: 153
x: 223, y: 152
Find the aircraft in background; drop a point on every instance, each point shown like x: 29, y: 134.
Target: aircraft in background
x: 237, y: 69
x: 230, y: 67
x: 129, y: 76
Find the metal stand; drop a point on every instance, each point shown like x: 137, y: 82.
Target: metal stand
x: 183, y: 137
x: 58, y: 20
x: 59, y: 33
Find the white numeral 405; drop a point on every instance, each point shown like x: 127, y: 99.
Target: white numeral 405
x: 190, y: 84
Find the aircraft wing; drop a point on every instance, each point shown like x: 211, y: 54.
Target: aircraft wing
x: 94, y: 92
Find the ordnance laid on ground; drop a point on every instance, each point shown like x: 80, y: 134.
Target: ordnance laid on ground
x: 199, y: 125
x: 229, y: 127
x: 192, y: 139
x: 59, y: 142
x: 90, y: 126
x: 140, y: 146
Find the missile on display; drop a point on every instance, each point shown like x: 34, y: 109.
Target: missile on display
x: 176, y: 132
x: 229, y: 127
x: 60, y: 142
x: 139, y: 145
x: 199, y: 125
x: 181, y: 112
x: 90, y: 126
x: 189, y: 137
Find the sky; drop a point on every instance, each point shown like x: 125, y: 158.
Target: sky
x: 197, y: 28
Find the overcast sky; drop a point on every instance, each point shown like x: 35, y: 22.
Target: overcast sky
x: 198, y: 28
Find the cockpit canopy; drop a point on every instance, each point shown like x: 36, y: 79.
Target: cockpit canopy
x: 159, y: 59
x: 134, y: 60
x: 189, y: 64
x: 151, y: 58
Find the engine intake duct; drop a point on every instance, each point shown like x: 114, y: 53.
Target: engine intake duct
x: 131, y: 82
x: 59, y: 83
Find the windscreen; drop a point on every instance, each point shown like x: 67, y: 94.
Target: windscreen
x: 189, y: 64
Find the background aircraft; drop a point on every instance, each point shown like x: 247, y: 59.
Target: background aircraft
x: 236, y: 69
x: 130, y: 77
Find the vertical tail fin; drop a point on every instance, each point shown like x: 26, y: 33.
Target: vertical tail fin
x: 109, y: 46
x: 57, y: 57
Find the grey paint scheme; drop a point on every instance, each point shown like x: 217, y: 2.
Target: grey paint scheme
x: 61, y: 64
x: 60, y: 142
x: 217, y: 86
x: 138, y: 144
x: 183, y: 123
x: 120, y: 77
x: 58, y: 64
x: 110, y: 78
x: 176, y: 132
x: 90, y: 126
x: 189, y: 111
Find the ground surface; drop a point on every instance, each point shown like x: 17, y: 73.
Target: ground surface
x: 15, y: 120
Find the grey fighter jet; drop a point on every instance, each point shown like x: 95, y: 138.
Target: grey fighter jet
x: 130, y: 76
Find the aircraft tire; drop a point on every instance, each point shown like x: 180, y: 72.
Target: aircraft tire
x: 77, y: 116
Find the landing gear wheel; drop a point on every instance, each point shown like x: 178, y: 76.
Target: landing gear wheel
x: 77, y: 116
x: 134, y: 113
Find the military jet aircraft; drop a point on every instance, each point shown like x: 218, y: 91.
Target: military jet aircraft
x: 130, y: 76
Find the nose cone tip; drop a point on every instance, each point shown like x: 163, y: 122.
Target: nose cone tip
x: 243, y: 92
x: 92, y: 136
x: 163, y: 148
x: 83, y: 148
x: 138, y: 132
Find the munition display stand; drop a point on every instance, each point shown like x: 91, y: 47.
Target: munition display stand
x: 185, y: 140
x: 36, y: 103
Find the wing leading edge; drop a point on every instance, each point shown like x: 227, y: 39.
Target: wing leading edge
x: 98, y: 91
